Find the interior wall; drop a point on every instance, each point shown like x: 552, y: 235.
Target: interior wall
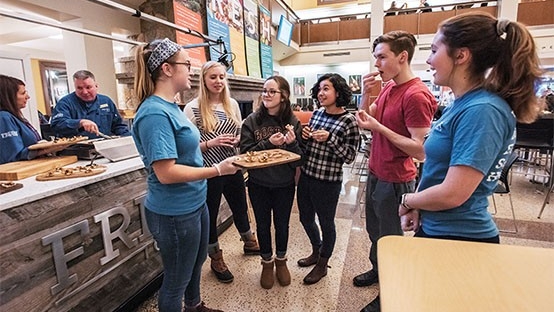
x: 39, y: 92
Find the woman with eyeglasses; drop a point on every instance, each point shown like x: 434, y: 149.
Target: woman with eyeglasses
x: 175, y: 202
x: 332, y: 138
x: 271, y: 189
x: 218, y: 118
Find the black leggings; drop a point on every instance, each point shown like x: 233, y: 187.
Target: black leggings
x: 232, y: 187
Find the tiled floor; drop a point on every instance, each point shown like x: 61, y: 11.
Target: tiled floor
x: 335, y: 292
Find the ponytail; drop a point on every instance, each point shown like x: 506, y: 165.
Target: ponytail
x: 143, y: 84
x: 507, y: 49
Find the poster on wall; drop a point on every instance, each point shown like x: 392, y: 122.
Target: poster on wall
x: 236, y: 33
x: 218, y: 26
x: 299, y: 86
x: 187, y: 14
x: 266, y: 55
x: 252, y: 38
x: 355, y: 82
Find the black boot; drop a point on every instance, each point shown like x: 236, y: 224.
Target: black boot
x: 373, y: 306
x: 319, y: 271
x: 311, y: 259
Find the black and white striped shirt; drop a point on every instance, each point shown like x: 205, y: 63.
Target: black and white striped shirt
x: 225, y: 125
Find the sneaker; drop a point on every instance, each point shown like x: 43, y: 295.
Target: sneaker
x: 201, y: 308
x: 366, y: 279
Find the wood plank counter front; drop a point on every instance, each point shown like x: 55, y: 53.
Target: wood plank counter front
x: 77, y: 244
x: 428, y: 275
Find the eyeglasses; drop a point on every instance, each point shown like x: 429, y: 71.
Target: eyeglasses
x: 270, y: 92
x: 187, y: 64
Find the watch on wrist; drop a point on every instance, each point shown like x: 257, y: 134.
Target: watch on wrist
x: 403, y: 202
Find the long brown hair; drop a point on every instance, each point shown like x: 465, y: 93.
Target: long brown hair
x: 285, y: 111
x: 507, y: 49
x: 9, y: 86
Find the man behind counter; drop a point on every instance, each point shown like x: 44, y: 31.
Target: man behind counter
x: 84, y: 112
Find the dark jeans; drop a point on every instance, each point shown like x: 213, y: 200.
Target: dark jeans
x: 321, y: 198
x: 183, y: 243
x: 232, y: 187
x: 492, y: 240
x: 382, y: 201
x: 265, y: 200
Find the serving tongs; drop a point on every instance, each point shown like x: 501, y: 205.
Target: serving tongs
x: 107, y: 137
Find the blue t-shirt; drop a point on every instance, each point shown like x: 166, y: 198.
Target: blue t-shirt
x: 162, y: 131
x: 15, y: 138
x: 477, y: 130
x: 71, y: 109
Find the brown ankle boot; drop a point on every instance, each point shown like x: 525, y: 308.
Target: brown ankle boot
x: 201, y: 308
x: 251, y: 246
x: 282, y: 272
x: 319, y: 271
x: 220, y: 269
x: 267, y: 278
x: 311, y: 259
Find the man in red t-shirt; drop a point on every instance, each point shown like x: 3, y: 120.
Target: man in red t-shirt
x: 399, y: 120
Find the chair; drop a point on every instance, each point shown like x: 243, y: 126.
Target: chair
x: 47, y: 132
x: 503, y: 187
x: 535, y: 143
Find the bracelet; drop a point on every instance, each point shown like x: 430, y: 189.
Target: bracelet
x: 403, y: 202
x: 218, y: 170
x: 206, y: 143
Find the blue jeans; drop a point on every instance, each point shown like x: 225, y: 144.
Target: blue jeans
x: 265, y: 200
x: 232, y: 187
x: 381, y: 211
x: 321, y: 198
x: 183, y: 243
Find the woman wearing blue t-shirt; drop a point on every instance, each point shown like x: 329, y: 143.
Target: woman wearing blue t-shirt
x: 168, y: 143
x: 475, y: 55
x: 16, y: 133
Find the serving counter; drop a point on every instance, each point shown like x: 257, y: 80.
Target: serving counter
x: 77, y: 244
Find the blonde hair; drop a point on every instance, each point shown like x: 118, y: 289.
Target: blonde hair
x: 209, y: 120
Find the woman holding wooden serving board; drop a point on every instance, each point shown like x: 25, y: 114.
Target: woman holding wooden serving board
x: 16, y: 133
x: 271, y: 189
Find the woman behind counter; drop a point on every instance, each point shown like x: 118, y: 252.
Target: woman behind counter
x: 16, y: 133
x: 175, y: 202
x: 218, y: 118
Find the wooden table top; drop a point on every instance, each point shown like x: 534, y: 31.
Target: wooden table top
x: 419, y: 274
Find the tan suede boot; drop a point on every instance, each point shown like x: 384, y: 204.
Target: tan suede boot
x: 282, y: 272
x: 311, y: 259
x: 319, y: 271
x: 267, y: 279
x: 219, y: 268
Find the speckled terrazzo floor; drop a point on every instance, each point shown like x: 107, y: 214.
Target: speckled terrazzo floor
x: 335, y: 292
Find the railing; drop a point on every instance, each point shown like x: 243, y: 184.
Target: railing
x: 349, y: 27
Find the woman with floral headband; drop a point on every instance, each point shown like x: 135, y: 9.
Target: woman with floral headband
x: 175, y: 203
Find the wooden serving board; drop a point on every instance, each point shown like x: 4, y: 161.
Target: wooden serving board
x: 265, y: 158
x: 71, y: 172
x: 58, y: 142
x: 18, y: 170
x: 6, y: 187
